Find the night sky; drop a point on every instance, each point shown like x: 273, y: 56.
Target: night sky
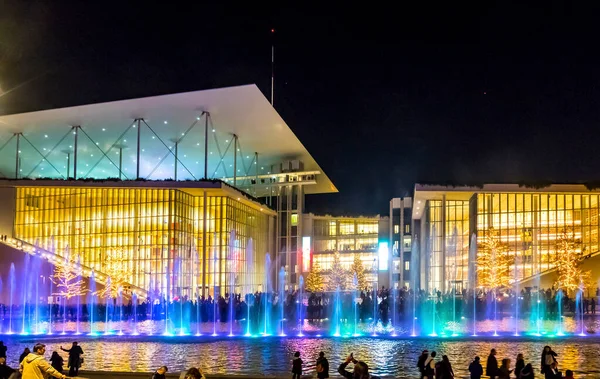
x: 381, y: 97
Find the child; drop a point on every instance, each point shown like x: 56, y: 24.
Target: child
x: 296, y: 366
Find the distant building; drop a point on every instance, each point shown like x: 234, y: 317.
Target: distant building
x: 350, y: 236
x: 400, y: 237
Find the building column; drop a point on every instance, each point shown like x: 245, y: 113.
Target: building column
x: 235, y: 149
x: 76, y: 132
x: 443, y: 234
x: 139, y: 150
x: 401, y: 243
x: 205, y: 257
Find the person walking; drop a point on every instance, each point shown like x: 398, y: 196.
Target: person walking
x: 160, y: 372
x: 421, y: 362
x: 361, y: 370
x: 475, y: 369
x: 519, y: 365
x: 322, y: 366
x: 34, y: 366
x: 504, y: 371
x: 57, y: 361
x: 491, y: 368
x: 296, y: 366
x: 75, y: 360
x: 548, y: 357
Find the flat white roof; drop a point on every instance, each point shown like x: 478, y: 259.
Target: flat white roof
x: 242, y: 110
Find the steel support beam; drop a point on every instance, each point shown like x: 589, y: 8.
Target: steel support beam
x: 76, y: 132
x: 137, y: 161
x: 17, y: 160
x: 235, y: 149
x: 176, y: 157
x: 206, y: 115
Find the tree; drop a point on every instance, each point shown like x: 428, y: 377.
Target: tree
x: 569, y: 252
x: 493, y: 261
x: 338, y: 276
x: 116, y: 271
x: 314, y: 280
x: 358, y: 269
x: 67, y: 278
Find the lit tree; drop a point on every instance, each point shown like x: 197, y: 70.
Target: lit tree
x: 358, y: 269
x: 338, y: 276
x: 116, y: 270
x: 588, y: 283
x: 569, y: 252
x: 67, y: 278
x: 493, y: 261
x: 314, y: 280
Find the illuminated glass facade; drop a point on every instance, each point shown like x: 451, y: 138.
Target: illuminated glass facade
x: 170, y: 247
x: 349, y: 237
x: 528, y: 223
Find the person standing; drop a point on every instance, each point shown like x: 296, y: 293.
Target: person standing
x: 2, y: 350
x: 25, y: 353
x: 296, y: 366
x: 445, y: 368
x: 5, y: 370
x: 569, y: 374
x: 421, y: 362
x: 430, y: 366
x: 491, y: 368
x: 160, y: 372
x: 527, y: 372
x: 361, y: 369
x: 519, y: 366
x: 504, y: 371
x: 57, y: 361
x: 475, y: 369
x: 75, y: 353
x: 322, y: 366
x: 34, y: 366
x: 548, y: 357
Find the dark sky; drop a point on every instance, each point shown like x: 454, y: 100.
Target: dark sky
x: 382, y: 97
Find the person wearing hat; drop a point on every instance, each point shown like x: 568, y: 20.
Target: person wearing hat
x: 475, y: 369
x: 34, y: 366
x: 421, y: 362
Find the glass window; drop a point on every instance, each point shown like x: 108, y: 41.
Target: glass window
x: 406, y: 265
x: 294, y: 219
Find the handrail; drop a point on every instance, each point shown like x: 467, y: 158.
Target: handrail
x: 54, y: 258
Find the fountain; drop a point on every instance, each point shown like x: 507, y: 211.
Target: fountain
x: 355, y: 304
x: 414, y: 266
x: 281, y: 300
x: 265, y: 294
x: 300, y: 305
x: 11, y: 282
x: 215, y: 289
x: 249, y: 277
x: 92, y: 301
x: 473, y: 278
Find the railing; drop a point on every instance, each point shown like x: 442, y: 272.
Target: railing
x: 56, y: 259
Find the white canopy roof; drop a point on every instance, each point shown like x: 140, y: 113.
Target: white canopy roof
x: 47, y: 138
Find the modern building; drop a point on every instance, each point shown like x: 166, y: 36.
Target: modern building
x: 348, y: 236
x: 450, y: 221
x: 400, y: 237
x: 192, y: 189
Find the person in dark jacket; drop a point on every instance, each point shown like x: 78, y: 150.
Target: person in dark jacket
x: 548, y: 357
x: 552, y: 372
x: 25, y: 353
x: 527, y: 372
x: 296, y: 366
x: 361, y: 370
x: 322, y: 366
x: 160, y: 372
x: 475, y: 369
x: 75, y: 353
x: 2, y: 350
x: 519, y: 366
x: 57, y: 362
x: 491, y: 368
x: 504, y: 371
x: 445, y: 369
x: 421, y: 362
x: 5, y: 371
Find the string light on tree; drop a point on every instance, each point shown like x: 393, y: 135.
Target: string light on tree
x: 493, y: 261
x: 314, y: 280
x: 338, y: 276
x: 358, y: 269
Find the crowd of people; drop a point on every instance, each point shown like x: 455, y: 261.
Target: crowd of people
x: 383, y: 304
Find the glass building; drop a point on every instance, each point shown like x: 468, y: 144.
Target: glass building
x: 527, y: 221
x: 181, y: 241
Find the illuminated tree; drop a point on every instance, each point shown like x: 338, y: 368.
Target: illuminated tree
x: 338, y: 276
x: 67, y: 278
x: 116, y: 270
x: 569, y: 252
x: 493, y: 261
x: 314, y: 280
x: 358, y: 269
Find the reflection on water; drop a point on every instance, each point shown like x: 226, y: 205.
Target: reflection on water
x: 272, y: 356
